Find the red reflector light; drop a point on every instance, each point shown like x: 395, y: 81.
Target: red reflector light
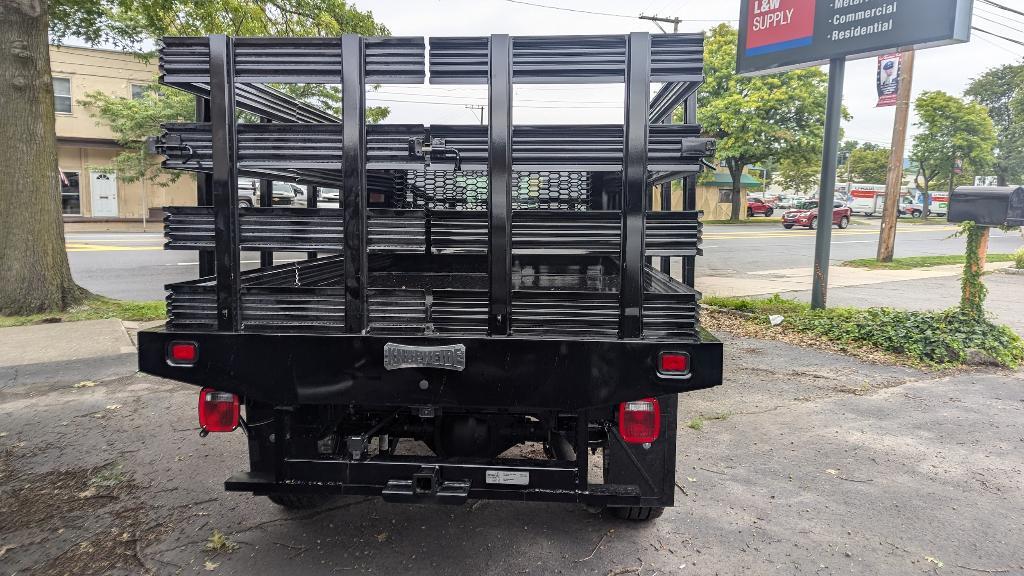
x: 640, y: 420
x: 218, y: 411
x: 182, y: 353
x: 674, y: 363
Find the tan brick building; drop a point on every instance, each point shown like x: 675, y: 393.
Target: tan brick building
x: 85, y: 147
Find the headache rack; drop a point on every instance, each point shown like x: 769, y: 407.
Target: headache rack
x: 536, y: 231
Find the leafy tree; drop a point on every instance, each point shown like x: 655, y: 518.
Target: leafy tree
x: 134, y: 120
x: 869, y: 164
x: 1001, y: 89
x: 800, y: 175
x: 35, y: 275
x: 781, y: 116
x: 951, y: 130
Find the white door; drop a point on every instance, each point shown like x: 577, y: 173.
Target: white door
x: 103, y: 188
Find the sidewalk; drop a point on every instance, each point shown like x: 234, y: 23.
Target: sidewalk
x: 65, y: 352
x: 796, y: 279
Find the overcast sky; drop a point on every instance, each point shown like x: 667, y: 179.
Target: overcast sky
x: 948, y: 68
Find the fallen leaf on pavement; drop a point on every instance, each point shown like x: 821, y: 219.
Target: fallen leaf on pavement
x: 84, y: 384
x: 211, y: 566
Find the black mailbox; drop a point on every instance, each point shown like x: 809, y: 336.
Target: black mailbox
x: 988, y: 205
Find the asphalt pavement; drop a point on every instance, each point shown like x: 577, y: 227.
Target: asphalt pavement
x: 805, y: 463
x: 134, y: 266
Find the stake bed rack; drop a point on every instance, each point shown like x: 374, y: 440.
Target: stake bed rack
x: 473, y: 287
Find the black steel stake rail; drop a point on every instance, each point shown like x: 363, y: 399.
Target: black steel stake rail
x: 225, y: 182
x: 635, y: 65
x: 353, y: 191
x: 499, y: 175
x: 634, y: 183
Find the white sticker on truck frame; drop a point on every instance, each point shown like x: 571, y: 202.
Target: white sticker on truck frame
x: 508, y: 477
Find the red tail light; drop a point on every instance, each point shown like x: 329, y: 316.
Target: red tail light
x: 674, y: 364
x: 218, y: 411
x: 182, y: 353
x: 640, y: 420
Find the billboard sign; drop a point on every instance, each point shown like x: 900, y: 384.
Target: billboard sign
x: 778, y: 35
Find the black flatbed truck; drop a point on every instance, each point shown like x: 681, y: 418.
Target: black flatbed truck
x: 476, y: 288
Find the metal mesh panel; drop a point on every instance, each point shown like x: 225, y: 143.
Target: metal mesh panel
x: 467, y: 190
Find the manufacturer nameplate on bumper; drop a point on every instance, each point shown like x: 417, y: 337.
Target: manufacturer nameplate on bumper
x: 507, y: 477
x: 448, y: 357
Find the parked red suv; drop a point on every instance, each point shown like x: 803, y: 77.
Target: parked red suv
x: 806, y: 214
x: 758, y: 206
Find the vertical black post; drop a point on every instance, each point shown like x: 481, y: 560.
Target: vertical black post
x: 689, y: 192
x: 666, y: 206
x: 312, y: 193
x: 634, y: 183
x: 823, y: 239
x: 582, y: 449
x: 225, y: 181
x: 353, y: 190
x: 266, y: 201
x: 204, y: 188
x: 499, y: 182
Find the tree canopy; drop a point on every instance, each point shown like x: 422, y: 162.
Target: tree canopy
x: 869, y: 164
x: 779, y: 116
x: 1001, y: 89
x: 951, y: 130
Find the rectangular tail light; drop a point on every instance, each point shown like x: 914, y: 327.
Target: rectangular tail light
x: 674, y: 364
x: 181, y: 353
x: 640, y: 421
x: 218, y: 411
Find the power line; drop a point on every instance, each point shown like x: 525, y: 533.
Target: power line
x: 609, y: 14
x: 996, y: 14
x: 999, y: 23
x: 1002, y: 7
x: 997, y: 35
x: 595, y: 13
x: 1000, y: 46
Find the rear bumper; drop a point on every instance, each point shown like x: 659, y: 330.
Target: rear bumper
x: 424, y: 481
x: 519, y: 373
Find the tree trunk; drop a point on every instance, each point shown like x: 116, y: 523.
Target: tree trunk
x: 34, y: 271
x: 736, y: 173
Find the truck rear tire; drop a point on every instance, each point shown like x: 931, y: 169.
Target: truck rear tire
x: 638, y: 513
x: 299, y: 501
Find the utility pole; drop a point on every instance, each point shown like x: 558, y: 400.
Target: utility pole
x: 475, y: 107
x: 659, y: 19
x: 894, y: 177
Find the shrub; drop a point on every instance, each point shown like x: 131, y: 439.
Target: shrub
x: 937, y: 338
x: 1018, y: 259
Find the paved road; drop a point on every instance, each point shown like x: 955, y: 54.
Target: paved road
x: 133, y: 266
x: 808, y: 463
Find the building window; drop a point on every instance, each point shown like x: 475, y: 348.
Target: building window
x: 139, y: 91
x: 70, y: 193
x: 725, y: 195
x: 62, y: 95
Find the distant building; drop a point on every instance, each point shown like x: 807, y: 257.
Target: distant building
x: 85, y: 147
x: 714, y: 195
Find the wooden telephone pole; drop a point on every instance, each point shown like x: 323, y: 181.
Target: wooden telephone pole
x: 894, y: 178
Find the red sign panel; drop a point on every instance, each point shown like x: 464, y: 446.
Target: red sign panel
x: 774, y: 25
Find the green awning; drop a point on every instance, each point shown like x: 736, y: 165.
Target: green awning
x: 724, y: 180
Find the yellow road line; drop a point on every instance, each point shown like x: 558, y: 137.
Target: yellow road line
x: 792, y: 234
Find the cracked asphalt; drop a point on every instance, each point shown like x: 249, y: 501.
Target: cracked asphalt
x: 805, y: 463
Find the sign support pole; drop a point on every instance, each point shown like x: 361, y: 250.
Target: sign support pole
x: 826, y: 197
x: 894, y: 178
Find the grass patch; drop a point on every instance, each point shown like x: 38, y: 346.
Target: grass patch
x: 695, y: 424
x: 931, y: 221
x: 911, y: 262
x: 1018, y: 259
x: 761, y: 306
x: 95, y: 308
x: 938, y: 339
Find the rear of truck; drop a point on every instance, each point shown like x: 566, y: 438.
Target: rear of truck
x: 498, y: 311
